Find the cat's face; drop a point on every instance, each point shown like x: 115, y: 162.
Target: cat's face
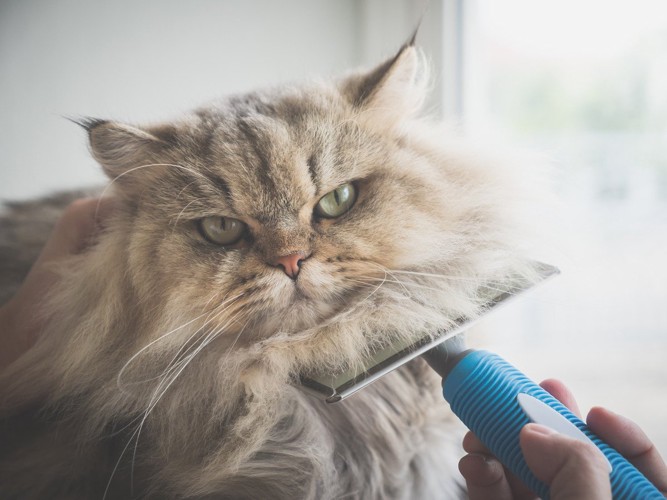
x: 280, y: 210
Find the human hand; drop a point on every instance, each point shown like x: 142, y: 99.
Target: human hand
x: 572, y: 469
x: 20, y: 321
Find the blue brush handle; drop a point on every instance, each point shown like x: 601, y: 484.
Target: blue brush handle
x: 482, y: 390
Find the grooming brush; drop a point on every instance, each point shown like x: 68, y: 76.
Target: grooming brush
x: 490, y: 396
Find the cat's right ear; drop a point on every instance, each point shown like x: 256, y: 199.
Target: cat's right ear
x: 392, y: 92
x: 124, y: 149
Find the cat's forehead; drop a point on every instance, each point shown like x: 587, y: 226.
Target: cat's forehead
x: 281, y: 153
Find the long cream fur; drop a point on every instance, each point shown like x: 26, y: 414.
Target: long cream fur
x: 168, y: 366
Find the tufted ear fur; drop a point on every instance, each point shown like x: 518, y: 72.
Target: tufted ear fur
x: 122, y: 149
x: 392, y: 92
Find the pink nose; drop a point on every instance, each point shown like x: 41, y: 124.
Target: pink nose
x: 291, y: 263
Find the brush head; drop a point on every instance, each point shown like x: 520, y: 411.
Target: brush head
x: 334, y: 387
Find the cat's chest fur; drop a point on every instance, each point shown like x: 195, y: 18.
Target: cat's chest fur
x: 394, y: 440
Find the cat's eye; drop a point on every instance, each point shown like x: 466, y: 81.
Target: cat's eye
x: 337, y: 202
x: 222, y: 230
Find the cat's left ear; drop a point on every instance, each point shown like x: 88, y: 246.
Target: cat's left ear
x: 123, y: 150
x: 393, y: 91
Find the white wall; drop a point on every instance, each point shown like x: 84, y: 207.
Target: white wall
x: 151, y: 59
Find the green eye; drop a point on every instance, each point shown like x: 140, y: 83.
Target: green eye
x: 222, y: 230
x: 337, y: 202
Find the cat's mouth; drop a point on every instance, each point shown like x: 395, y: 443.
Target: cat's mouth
x: 307, y: 302
x: 308, y: 299
x: 275, y: 302
x: 303, y: 292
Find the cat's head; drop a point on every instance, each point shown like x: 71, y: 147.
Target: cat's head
x: 290, y: 211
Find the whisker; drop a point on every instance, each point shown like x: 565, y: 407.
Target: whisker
x: 397, y: 280
x: 178, y: 217
x: 115, y: 468
x: 184, y: 188
x: 382, y: 282
x: 433, y: 275
x: 134, y: 169
x: 147, y: 346
x: 168, y: 379
x: 184, y: 351
x: 213, y: 315
x: 231, y: 347
x: 169, y: 368
x: 162, y: 337
x: 488, y: 286
x: 404, y: 283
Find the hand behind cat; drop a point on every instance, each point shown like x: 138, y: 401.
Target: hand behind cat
x: 20, y: 322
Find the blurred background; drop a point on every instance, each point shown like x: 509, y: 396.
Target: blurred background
x: 583, y: 83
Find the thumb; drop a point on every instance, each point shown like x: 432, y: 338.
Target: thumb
x: 80, y: 220
x: 574, y: 470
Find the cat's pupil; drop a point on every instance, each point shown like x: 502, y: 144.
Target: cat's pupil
x: 221, y: 230
x: 337, y: 202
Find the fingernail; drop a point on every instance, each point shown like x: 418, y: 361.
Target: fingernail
x: 480, y: 469
x: 478, y: 458
x: 540, y: 429
x: 484, y: 458
x: 606, y: 410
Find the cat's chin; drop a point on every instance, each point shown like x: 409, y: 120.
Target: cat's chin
x: 297, y: 307
x: 302, y: 312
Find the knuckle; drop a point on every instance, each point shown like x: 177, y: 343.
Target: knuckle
x: 587, y: 453
x: 77, y: 210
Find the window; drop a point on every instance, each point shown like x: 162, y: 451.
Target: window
x: 584, y: 83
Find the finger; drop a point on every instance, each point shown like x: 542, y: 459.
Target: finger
x: 574, y: 470
x: 521, y: 491
x: 485, y: 477
x: 558, y: 390
x: 631, y: 442
x: 76, y: 226
x: 472, y: 444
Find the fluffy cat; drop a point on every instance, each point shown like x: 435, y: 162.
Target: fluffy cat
x: 270, y: 233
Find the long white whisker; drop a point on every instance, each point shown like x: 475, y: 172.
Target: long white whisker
x: 153, y: 342
x: 133, y: 169
x: 184, y: 188
x: 158, y: 393
x: 405, y: 284
x: 182, y: 352
x: 178, y: 217
x: 169, y: 380
x: 382, y: 281
x: 175, y: 366
x: 433, y: 275
x: 488, y: 286
x: 396, y: 280
x: 412, y: 284
x: 147, y: 346
x: 208, y: 338
x: 115, y: 468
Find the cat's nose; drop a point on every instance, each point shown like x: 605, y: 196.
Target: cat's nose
x: 291, y: 263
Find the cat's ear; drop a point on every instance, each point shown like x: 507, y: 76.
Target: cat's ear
x: 122, y: 149
x: 393, y: 91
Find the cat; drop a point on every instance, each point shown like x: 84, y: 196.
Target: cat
x: 256, y: 238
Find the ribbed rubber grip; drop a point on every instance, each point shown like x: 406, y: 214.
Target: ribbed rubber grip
x: 482, y: 390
